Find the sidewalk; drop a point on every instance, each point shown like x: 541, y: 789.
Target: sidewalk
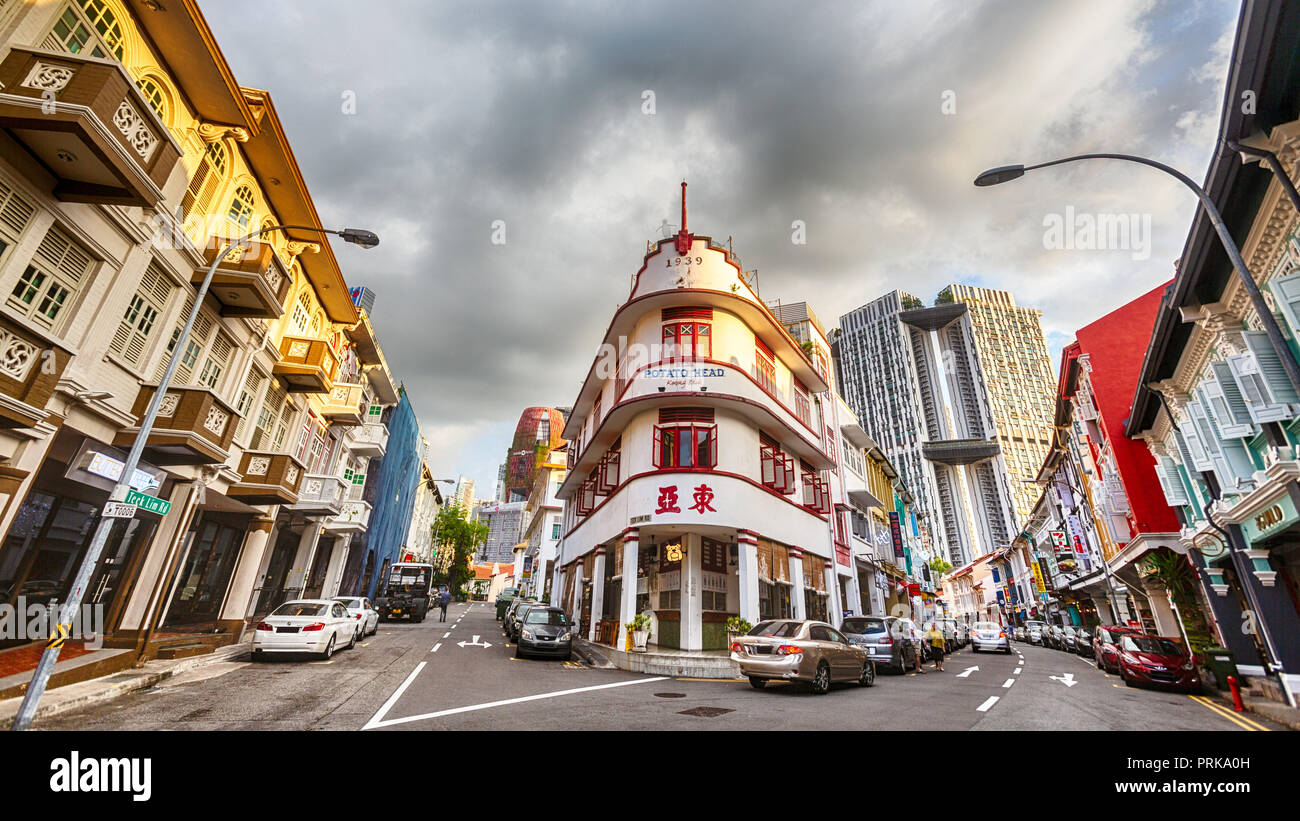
x: 1273, y: 711
x: 665, y: 662
x: 107, y: 688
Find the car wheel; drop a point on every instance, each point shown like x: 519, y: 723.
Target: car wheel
x: 258, y: 655
x: 757, y: 683
x: 821, y: 683
x: 329, y: 649
x: 868, y: 676
x: 353, y: 643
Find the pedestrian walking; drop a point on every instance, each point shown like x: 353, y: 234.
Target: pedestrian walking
x: 914, y: 636
x: 935, y: 637
x: 444, y: 599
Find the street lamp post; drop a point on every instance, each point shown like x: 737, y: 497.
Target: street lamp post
x: 1006, y: 173
x: 41, y: 676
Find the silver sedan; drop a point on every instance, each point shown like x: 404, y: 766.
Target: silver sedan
x: 807, y: 651
x: 989, y: 635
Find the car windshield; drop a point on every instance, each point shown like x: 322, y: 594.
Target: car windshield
x: 1035, y: 625
x: 555, y: 618
x: 987, y: 625
x: 300, y: 609
x: 1069, y: 630
x: 864, y: 625
x: 1153, y: 645
x: 777, y: 629
x: 353, y: 603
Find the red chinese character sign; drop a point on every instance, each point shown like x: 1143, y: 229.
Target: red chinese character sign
x: 668, y: 500
x: 703, y: 495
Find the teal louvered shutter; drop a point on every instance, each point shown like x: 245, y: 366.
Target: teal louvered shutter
x: 1235, y: 403
x: 1286, y: 290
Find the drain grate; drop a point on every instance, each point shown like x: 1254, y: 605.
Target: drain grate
x: 670, y: 695
x: 706, y: 712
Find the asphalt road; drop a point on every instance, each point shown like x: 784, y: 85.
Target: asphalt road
x: 463, y: 676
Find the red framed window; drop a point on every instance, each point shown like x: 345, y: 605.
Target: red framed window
x: 816, y: 494
x: 801, y: 407
x: 595, y: 410
x: 777, y: 467
x: 587, y: 496
x: 607, y: 471
x: 764, y: 366
x: 686, y: 340
x: 685, y: 438
x: 841, y: 531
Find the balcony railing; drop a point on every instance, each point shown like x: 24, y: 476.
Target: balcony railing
x: 321, y: 494
x: 353, y: 518
x: 248, y: 282
x: 88, y: 124
x: 306, y: 365
x: 345, y: 404
x: 30, y: 366
x: 369, y: 439
x: 193, y: 427
x: 267, y: 479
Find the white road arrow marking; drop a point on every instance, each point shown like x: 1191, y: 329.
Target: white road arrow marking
x: 966, y: 673
x: 474, y: 643
x: 1067, y: 679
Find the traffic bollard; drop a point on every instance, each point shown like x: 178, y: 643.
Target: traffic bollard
x: 1236, y: 695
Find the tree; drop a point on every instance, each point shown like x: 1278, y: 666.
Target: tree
x: 457, y: 540
x: 940, y: 565
x: 1177, y: 576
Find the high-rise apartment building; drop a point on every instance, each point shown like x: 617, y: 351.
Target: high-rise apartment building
x: 505, y: 529
x: 463, y: 495
x: 915, y: 378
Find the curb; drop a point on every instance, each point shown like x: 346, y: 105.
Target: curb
x: 1275, y: 712
x: 99, y: 691
x: 590, y: 657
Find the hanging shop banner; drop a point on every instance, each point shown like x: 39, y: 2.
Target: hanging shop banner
x: 896, y: 530
x: 1038, y: 577
x: 1059, y: 542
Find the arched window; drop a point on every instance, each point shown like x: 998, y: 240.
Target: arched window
x: 241, y: 207
x: 301, y: 314
x: 154, y: 95
x: 316, y: 326
x: 89, y: 26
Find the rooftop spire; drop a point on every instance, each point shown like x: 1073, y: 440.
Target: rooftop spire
x: 683, y: 236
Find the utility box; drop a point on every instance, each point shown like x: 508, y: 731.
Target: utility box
x: 1221, y: 662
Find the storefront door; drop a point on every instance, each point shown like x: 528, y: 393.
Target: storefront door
x: 271, y: 593
x: 200, y: 586
x: 319, y: 567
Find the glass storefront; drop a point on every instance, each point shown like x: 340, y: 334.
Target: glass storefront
x: 213, y: 544
x: 270, y: 593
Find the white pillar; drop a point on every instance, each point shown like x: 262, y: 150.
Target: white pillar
x: 834, y: 604
x: 748, y: 577
x: 692, y: 635
x: 627, y: 603
x: 1102, y: 603
x: 244, y: 579
x: 855, y: 593
x: 519, y: 568
x: 796, y: 579
x: 597, y: 592
x: 1166, y: 621
x: 557, y: 587
x: 577, y: 592
x: 297, y: 578
x: 334, y: 574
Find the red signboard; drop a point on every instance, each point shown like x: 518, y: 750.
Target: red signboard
x: 843, y: 555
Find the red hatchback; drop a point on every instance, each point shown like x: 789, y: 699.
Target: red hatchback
x: 1105, y: 644
x: 1158, y: 662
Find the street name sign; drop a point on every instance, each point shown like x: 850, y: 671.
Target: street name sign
x: 147, y: 503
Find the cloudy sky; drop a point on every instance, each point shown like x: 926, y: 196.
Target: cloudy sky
x: 865, y: 120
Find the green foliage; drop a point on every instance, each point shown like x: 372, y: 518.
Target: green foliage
x: 457, y: 540
x: 736, y: 624
x: 911, y: 303
x: 940, y: 565
x: 641, y: 621
x: 944, y: 298
x: 1175, y: 574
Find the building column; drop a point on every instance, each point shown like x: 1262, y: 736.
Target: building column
x: 334, y: 573
x: 854, y: 588
x: 519, y: 568
x: 597, y: 591
x: 577, y: 591
x: 1102, y: 603
x: 627, y: 603
x: 557, y: 587
x: 747, y: 575
x: 692, y: 635
x: 834, y: 603
x: 297, y: 578
x: 1166, y: 621
x: 169, y: 539
x: 796, y: 581
x: 244, y: 578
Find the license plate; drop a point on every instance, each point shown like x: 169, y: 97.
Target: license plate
x: 871, y: 651
x: 286, y: 629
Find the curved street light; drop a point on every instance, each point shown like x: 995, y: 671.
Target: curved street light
x: 41, y: 676
x: 1007, y: 173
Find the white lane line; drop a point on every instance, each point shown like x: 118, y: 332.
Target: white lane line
x: 1018, y: 669
x: 435, y: 647
x: 388, y: 723
x: 1008, y: 682
x: 388, y: 705
x: 984, y: 708
x: 445, y: 635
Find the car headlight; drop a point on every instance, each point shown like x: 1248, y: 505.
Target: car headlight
x: 528, y: 634
x: 566, y: 637
x: 1189, y: 666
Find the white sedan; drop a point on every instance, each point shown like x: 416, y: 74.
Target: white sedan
x: 305, y: 626
x: 363, y: 612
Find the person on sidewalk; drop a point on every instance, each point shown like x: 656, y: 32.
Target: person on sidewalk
x: 935, y: 637
x: 444, y: 599
x: 914, y: 636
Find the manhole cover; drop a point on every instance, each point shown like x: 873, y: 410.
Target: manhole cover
x: 670, y: 695
x: 706, y: 712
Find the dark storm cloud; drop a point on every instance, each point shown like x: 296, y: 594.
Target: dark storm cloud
x: 531, y: 113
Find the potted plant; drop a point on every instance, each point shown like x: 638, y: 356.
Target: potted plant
x: 639, y: 627
x: 737, y: 627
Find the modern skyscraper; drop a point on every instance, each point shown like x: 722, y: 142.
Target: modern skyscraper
x: 505, y: 529
x: 959, y: 395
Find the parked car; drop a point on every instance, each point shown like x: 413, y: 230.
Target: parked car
x: 514, y: 605
x: 365, y: 614
x: 1106, y: 645
x: 873, y: 634
x: 503, y: 601
x: 1054, y: 637
x: 1036, y: 632
x: 517, y: 617
x: 989, y: 635
x: 1019, y: 633
x: 545, y: 631
x: 305, y: 626
x: 805, y: 651
x: 1068, y: 633
x: 1083, y: 642
x: 1157, y: 661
